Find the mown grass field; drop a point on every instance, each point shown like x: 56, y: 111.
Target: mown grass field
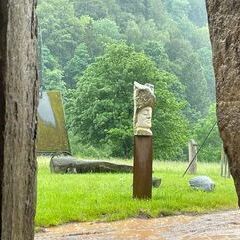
x: 105, y: 197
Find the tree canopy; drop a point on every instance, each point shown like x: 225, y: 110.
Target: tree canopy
x: 103, y: 107
x: 94, y: 50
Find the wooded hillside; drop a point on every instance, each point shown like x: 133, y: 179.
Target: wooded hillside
x: 94, y: 50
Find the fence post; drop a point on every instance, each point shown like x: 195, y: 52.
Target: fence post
x: 225, y: 171
x: 192, y: 151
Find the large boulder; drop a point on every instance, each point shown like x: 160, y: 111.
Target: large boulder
x: 224, y: 25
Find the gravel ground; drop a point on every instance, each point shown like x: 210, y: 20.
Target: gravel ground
x: 215, y: 226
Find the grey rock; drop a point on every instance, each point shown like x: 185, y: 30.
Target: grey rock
x: 156, y: 182
x: 202, y: 183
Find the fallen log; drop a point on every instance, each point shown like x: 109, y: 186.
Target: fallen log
x: 68, y: 164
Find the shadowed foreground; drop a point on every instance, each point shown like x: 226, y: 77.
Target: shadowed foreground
x: 221, y: 226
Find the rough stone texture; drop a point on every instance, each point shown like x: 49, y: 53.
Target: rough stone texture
x: 144, y: 100
x: 18, y: 100
x: 224, y: 24
x: 202, y: 183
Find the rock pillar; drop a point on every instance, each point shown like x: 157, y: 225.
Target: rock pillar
x: 224, y: 26
x: 18, y: 105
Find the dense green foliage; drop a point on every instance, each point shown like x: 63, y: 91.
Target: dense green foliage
x: 103, y: 103
x: 93, y: 51
x: 66, y: 198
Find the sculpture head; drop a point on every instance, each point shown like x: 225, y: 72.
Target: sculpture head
x: 144, y: 100
x: 144, y: 118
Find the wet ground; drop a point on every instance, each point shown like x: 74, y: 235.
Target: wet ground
x: 216, y: 226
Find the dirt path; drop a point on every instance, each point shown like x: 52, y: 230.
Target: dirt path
x: 217, y: 226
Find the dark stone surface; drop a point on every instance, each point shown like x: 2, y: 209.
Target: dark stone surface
x: 156, y: 182
x: 71, y: 165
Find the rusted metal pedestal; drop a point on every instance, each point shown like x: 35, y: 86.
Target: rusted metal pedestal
x: 142, y: 171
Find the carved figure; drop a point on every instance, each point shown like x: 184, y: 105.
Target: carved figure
x: 144, y: 100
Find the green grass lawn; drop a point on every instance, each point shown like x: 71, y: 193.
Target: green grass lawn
x: 105, y: 197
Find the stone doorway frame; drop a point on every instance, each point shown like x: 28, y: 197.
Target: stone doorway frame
x: 18, y: 106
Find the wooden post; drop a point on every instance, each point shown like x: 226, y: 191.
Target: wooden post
x: 225, y: 171
x: 192, y: 151
x: 142, y: 177
x: 222, y: 162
